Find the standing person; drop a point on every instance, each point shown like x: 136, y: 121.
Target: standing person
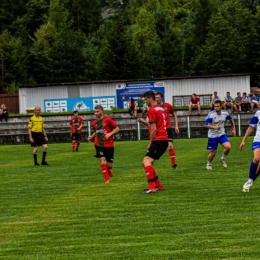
x: 4, y: 112
x: 104, y: 128
x: 76, y: 123
x: 216, y: 134
x: 253, y: 169
x: 37, y: 135
x: 158, y: 141
x: 131, y: 106
x: 238, y: 101
x: 228, y: 102
x: 214, y: 98
x: 139, y: 106
x: 194, y: 103
x: 168, y: 112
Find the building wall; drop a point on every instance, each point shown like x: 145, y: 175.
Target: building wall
x: 34, y: 96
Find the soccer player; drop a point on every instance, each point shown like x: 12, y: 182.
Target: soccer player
x: 158, y: 141
x: 168, y: 112
x: 104, y: 128
x: 37, y: 135
x: 253, y: 169
x: 76, y: 123
x: 215, y: 123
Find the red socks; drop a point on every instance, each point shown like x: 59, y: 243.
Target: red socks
x: 172, y: 156
x: 73, y: 146
x: 105, y: 171
x: 150, y: 175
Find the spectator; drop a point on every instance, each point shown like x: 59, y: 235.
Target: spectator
x: 254, y: 102
x: 215, y: 98
x: 131, y: 106
x: 4, y: 113
x: 1, y: 113
x: 194, y: 103
x: 238, y: 101
x: 245, y: 103
x: 228, y: 102
x: 139, y: 107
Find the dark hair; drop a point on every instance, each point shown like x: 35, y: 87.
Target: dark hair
x: 149, y: 94
x: 238, y: 93
x: 75, y: 111
x: 99, y: 107
x: 159, y: 93
x: 218, y: 102
x: 228, y: 92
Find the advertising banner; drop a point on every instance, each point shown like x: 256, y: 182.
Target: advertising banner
x: 80, y: 104
x: 134, y: 90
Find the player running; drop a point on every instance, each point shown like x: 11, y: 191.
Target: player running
x: 104, y: 128
x: 158, y: 141
x: 168, y: 112
x: 254, y: 166
x: 215, y: 123
x: 76, y: 123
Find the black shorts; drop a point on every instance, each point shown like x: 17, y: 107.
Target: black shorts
x: 139, y: 109
x: 107, y: 152
x: 169, y: 132
x: 157, y: 149
x: 38, y: 138
x: 76, y: 137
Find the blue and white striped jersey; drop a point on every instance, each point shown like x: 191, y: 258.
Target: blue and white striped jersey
x: 214, y: 118
x: 255, y: 122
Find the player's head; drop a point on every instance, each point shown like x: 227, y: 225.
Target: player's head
x: 140, y: 98
x: 217, y: 105
x: 238, y: 93
x: 149, y: 97
x: 98, y: 111
x: 228, y: 94
x: 158, y: 97
x: 193, y: 95
x: 37, y: 110
x: 215, y: 93
x: 75, y: 113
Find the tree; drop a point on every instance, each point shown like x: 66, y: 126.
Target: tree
x: 228, y: 39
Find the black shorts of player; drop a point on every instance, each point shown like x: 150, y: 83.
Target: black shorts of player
x: 169, y: 132
x: 76, y: 137
x: 107, y: 152
x: 38, y: 138
x: 157, y: 149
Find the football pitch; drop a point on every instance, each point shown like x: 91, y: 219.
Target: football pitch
x: 66, y: 211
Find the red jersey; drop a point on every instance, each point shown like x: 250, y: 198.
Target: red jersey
x: 156, y: 114
x: 194, y: 101
x: 102, y: 127
x: 168, y: 112
x: 75, y: 123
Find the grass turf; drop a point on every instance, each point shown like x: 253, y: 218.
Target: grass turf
x: 66, y: 211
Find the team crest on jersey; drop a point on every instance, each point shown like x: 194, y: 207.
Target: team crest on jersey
x: 165, y: 108
x: 101, y: 153
x: 104, y: 124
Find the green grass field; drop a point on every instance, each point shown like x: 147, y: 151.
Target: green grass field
x: 66, y: 211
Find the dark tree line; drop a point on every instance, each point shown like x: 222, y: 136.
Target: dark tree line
x: 52, y: 41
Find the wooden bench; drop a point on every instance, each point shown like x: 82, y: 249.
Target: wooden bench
x: 184, y: 100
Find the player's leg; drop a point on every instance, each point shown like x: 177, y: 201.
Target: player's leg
x: 109, y: 153
x: 73, y: 142
x: 44, y: 153
x: 212, y: 147
x: 224, y: 141
x: 35, y: 149
x: 190, y: 109
x: 155, y: 151
x: 171, y: 150
x: 78, y: 142
x: 103, y: 162
x: 254, y: 166
x: 198, y: 107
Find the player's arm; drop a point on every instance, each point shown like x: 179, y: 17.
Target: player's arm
x: 141, y: 120
x: 81, y: 125
x: 152, y: 131
x: 30, y: 135
x: 44, y: 133
x: 249, y: 131
x: 234, y: 132
x: 115, y: 130
x: 175, y: 119
x: 91, y: 136
x: 214, y: 127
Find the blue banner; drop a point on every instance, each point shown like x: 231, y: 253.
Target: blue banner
x: 79, y: 104
x: 134, y: 90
